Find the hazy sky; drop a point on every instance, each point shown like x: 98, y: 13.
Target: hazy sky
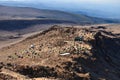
x: 110, y: 7
x: 77, y: 3
x: 73, y: 1
x: 109, y: 4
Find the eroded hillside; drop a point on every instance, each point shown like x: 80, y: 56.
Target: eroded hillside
x: 63, y: 53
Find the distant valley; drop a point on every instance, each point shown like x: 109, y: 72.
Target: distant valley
x: 18, y: 21
x: 18, y: 18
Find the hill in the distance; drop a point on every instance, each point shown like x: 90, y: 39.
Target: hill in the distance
x: 18, y: 21
x: 7, y: 12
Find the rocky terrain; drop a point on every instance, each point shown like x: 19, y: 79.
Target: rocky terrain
x: 15, y: 22
x: 64, y: 53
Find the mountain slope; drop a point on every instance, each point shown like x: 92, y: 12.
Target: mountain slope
x: 28, y: 13
x: 45, y: 55
x: 18, y: 12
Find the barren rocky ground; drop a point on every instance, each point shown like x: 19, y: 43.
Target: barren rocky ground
x: 64, y: 53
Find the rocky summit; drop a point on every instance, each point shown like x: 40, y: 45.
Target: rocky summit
x: 63, y: 53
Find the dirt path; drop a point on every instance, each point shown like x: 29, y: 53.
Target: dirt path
x: 19, y: 76
x: 12, y: 74
x: 14, y: 41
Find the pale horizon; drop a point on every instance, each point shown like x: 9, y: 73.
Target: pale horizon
x: 104, y: 8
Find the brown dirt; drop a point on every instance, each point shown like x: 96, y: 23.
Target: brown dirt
x: 95, y: 58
